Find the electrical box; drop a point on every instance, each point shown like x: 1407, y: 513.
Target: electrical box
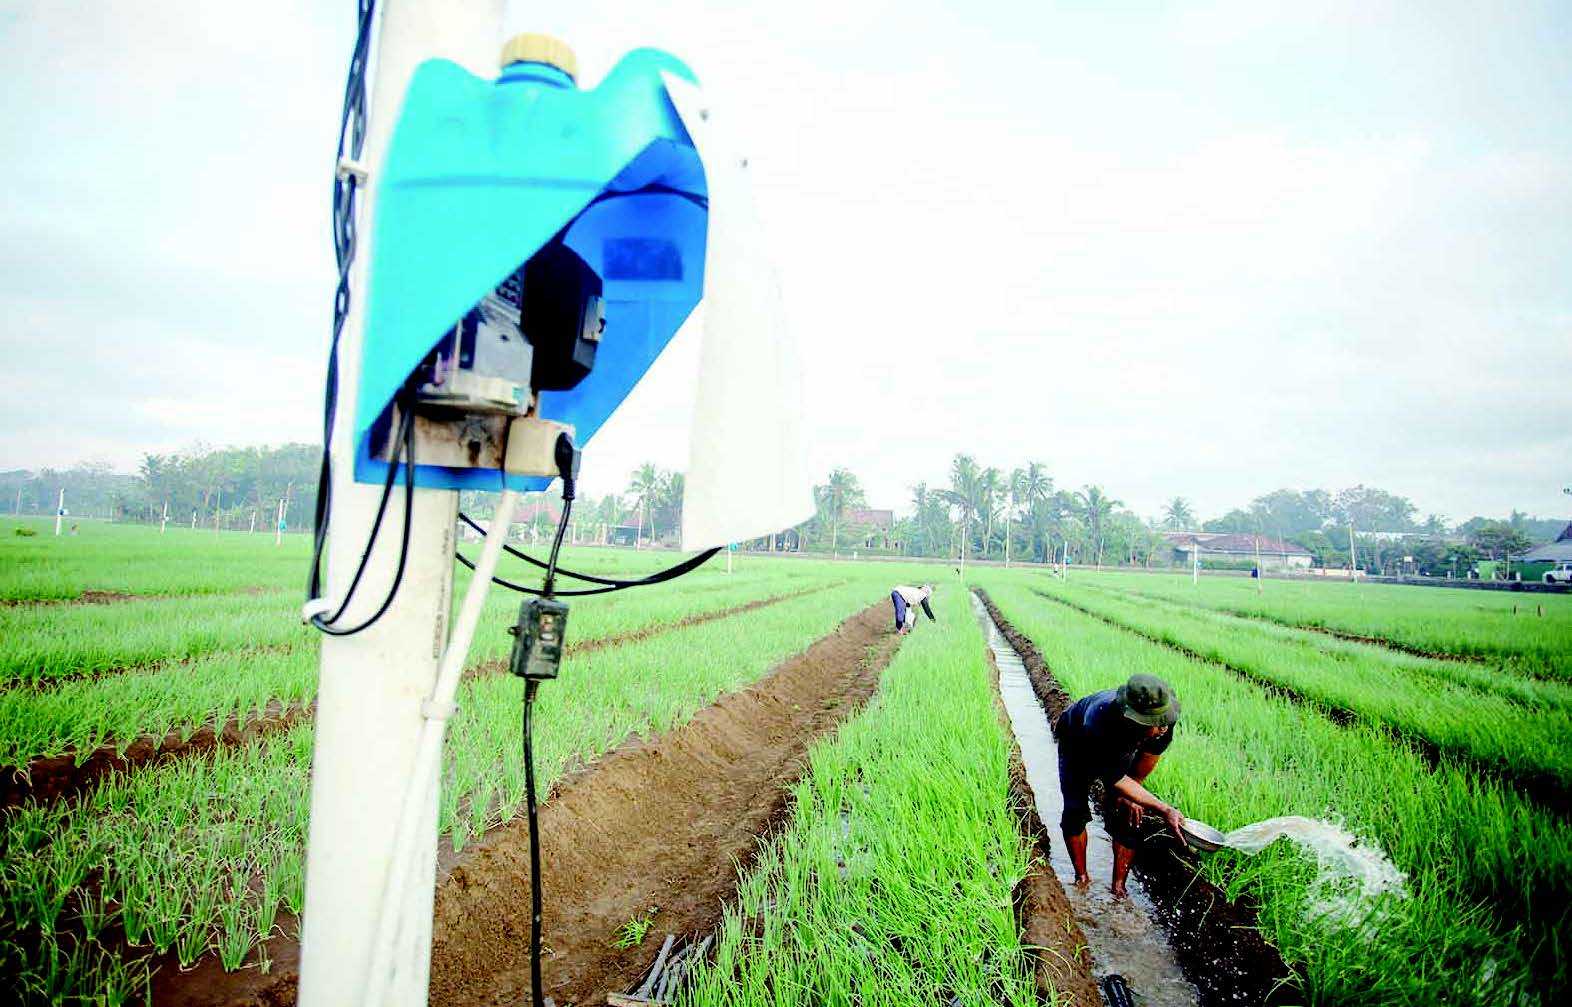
x: 538, y: 638
x: 520, y: 224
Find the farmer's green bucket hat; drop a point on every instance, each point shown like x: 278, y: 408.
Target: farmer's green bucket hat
x: 1149, y: 700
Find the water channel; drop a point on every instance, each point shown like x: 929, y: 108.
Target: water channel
x: 1121, y: 934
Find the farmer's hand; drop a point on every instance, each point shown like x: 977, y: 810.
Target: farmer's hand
x: 1133, y: 812
x: 1175, y: 821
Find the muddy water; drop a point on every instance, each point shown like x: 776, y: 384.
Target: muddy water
x: 1121, y: 934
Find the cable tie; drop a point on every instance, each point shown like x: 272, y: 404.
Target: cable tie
x: 349, y: 168
x: 315, y: 607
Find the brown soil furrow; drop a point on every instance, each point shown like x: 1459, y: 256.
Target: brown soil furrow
x: 1217, y: 941
x: 1542, y: 788
x: 54, y: 777
x: 664, y: 822
x: 93, y: 597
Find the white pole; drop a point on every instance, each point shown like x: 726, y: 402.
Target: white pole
x: 218, y: 508
x: 278, y: 525
x: 373, y: 685
x: 60, y: 510
x: 163, y: 522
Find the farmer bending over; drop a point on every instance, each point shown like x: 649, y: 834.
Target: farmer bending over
x: 906, y: 599
x: 1116, y: 736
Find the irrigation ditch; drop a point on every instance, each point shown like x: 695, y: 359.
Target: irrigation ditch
x: 1547, y: 791
x: 69, y: 773
x: 1215, y: 940
x: 655, y: 829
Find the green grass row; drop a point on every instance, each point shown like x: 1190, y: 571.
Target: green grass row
x: 199, y: 855
x: 1526, y: 742
x: 80, y: 715
x: 42, y: 643
x: 1498, y: 626
x: 136, y: 559
x: 1486, y: 917
x: 892, y: 884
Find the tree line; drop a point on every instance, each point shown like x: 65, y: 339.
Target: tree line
x: 981, y: 512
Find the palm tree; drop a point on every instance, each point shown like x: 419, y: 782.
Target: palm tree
x: 1177, y: 515
x: 645, y: 489
x: 1096, y: 507
x: 835, y: 497
x: 1016, y: 486
x: 965, y: 494
x: 989, y: 485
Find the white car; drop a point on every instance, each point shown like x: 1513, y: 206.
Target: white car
x: 1562, y: 574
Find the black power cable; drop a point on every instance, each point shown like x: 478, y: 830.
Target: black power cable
x: 538, y: 998
x: 407, y: 452
x: 610, y: 583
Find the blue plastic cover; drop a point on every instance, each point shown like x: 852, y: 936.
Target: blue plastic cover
x: 480, y: 174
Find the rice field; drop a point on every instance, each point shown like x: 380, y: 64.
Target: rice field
x: 1485, y: 919
x: 168, y: 680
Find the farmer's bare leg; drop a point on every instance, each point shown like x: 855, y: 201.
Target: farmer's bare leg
x: 1076, y: 844
x: 1123, y: 855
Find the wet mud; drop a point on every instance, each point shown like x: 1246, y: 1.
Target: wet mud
x: 1216, y: 940
x: 664, y: 824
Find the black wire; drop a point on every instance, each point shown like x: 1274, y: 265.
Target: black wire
x: 408, y: 430
x: 549, y: 588
x: 530, y: 686
x: 351, y: 139
x: 612, y: 583
x: 382, y: 505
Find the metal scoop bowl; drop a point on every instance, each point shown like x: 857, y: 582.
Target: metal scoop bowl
x: 1202, y: 836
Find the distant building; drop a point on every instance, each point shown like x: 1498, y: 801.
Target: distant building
x: 1238, y: 550
x: 1532, y: 565
x: 879, y: 524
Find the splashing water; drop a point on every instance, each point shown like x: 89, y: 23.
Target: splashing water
x: 1339, y: 855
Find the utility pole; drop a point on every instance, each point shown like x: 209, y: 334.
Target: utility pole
x: 60, y: 510
x: 369, y: 707
x: 1353, y: 566
x: 164, y: 521
x: 1260, y: 571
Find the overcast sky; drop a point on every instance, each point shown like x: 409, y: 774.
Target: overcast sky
x: 1196, y: 249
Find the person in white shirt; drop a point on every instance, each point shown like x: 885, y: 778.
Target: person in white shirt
x: 906, y: 599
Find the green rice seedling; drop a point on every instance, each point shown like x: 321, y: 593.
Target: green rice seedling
x: 632, y: 933
x: 1485, y: 916
x: 136, y: 559
x: 606, y: 696
x: 1488, y: 727
x: 161, y: 837
x: 892, y: 883
x: 181, y: 696
x: 1504, y: 628
x: 40, y: 644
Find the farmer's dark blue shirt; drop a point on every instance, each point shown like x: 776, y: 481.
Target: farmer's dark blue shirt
x: 1099, y: 741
